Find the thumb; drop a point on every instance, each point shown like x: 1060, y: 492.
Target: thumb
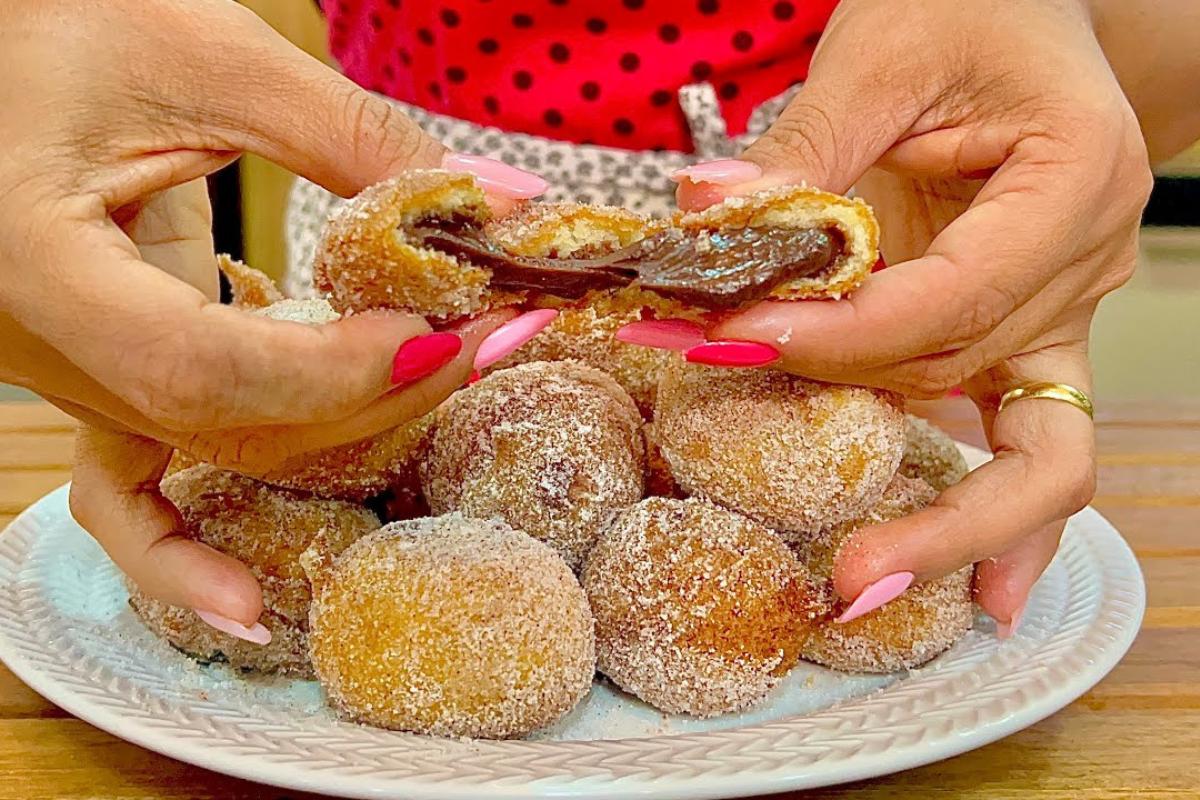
x: 839, y: 124
x: 281, y: 103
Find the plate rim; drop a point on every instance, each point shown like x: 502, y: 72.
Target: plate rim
x: 742, y: 784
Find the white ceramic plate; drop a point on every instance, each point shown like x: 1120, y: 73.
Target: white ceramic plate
x: 66, y: 630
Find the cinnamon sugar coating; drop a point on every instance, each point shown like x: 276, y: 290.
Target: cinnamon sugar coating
x: 904, y: 633
x: 794, y: 454
x: 267, y: 529
x: 553, y: 448
x: 452, y: 627
x: 930, y: 454
x: 698, y: 610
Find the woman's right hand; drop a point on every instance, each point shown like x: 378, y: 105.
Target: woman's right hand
x: 107, y: 297
x: 110, y: 104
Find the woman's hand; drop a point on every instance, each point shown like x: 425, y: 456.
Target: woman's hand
x: 108, y: 290
x: 108, y: 105
x: 1008, y: 173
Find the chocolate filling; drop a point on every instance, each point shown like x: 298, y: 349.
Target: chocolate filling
x: 713, y: 269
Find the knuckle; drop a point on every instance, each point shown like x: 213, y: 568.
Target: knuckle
x: 1081, y: 489
x: 378, y: 130
x: 931, y: 377
x: 805, y: 134
x: 81, y: 501
x: 174, y: 383
x: 252, y: 451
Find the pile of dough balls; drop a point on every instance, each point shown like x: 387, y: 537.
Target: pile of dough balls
x: 467, y: 574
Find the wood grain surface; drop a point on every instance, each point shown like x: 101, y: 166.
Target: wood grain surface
x: 1135, y: 735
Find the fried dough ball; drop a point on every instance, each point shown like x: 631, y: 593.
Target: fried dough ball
x: 791, y: 207
x: 267, y: 529
x: 698, y: 610
x: 794, y: 454
x: 368, y: 257
x: 585, y: 330
x: 906, y: 632
x: 553, y: 448
x: 385, y: 462
x: 452, y: 627
x: 931, y: 455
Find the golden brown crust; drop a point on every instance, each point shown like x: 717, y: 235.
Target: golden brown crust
x: 451, y: 627
x: 565, y: 230
x: 553, y: 448
x: 250, y: 287
x: 906, y: 632
x: 267, y: 529
x: 803, y: 207
x: 794, y: 454
x: 698, y: 610
x: 365, y: 261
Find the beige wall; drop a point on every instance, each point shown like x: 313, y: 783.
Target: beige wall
x: 264, y: 185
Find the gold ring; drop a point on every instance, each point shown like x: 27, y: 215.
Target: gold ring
x: 1049, y: 391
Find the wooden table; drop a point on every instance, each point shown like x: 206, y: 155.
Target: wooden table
x: 1137, y: 734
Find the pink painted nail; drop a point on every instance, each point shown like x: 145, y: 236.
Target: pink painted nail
x: 726, y: 172
x: 731, y: 353
x: 1005, y: 630
x: 509, y: 337
x: 422, y: 356
x: 887, y: 588
x: 496, y: 176
x: 255, y: 633
x: 663, y: 334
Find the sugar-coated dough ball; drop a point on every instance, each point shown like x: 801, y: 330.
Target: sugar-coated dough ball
x: 931, y: 455
x: 267, y: 529
x: 553, y: 448
x: 794, y: 454
x: 698, y: 610
x: 452, y: 627
x: 906, y: 632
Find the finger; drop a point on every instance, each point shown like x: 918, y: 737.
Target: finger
x: 187, y: 363
x: 115, y: 497
x: 846, y: 115
x: 262, y: 450
x: 976, y: 273
x: 305, y: 116
x: 1003, y: 583
x: 1043, y: 471
x: 173, y: 231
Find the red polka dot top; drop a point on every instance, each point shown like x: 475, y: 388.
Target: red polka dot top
x: 589, y: 71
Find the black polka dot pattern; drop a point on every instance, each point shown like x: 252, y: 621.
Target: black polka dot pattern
x: 604, y: 70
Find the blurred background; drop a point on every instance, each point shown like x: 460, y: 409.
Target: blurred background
x: 1146, y: 337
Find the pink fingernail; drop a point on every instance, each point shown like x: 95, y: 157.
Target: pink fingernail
x: 730, y: 353
x: 422, y: 356
x: 496, y: 176
x: 509, y: 337
x: 887, y: 588
x: 1005, y: 630
x: 663, y: 334
x: 726, y: 172
x: 255, y: 633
